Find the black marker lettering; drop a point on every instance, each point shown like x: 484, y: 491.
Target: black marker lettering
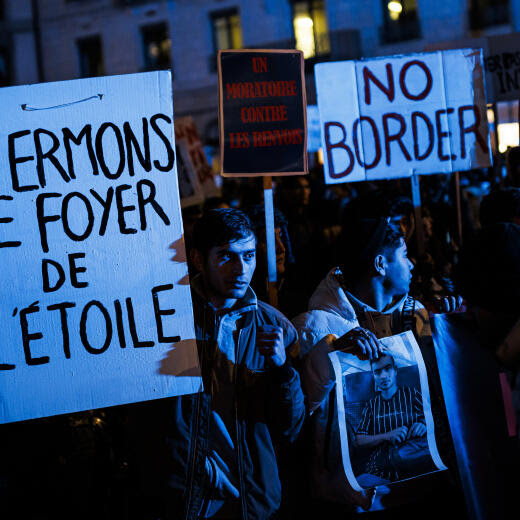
x: 166, y: 140
x: 62, y: 307
x: 162, y: 312
x: 149, y: 199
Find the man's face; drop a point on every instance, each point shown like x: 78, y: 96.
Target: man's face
x: 385, y: 374
x: 398, y: 274
x: 228, y: 269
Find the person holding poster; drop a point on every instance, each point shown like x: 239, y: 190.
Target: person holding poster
x: 223, y: 462
x: 362, y: 300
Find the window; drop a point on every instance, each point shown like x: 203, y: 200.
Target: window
x: 5, y: 79
x: 310, y: 28
x: 227, y: 31
x: 485, y: 13
x: 401, y: 21
x: 90, y: 57
x: 156, y: 46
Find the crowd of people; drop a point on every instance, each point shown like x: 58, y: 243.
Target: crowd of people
x: 262, y: 440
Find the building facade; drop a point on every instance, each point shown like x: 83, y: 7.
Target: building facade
x: 53, y: 40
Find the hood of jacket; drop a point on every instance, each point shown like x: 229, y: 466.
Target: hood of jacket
x: 330, y: 296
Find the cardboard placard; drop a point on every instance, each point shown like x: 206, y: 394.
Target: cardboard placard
x: 94, y: 311
x: 262, y: 113
x: 501, y: 63
x: 185, y: 129
x: 394, y: 116
x: 190, y: 190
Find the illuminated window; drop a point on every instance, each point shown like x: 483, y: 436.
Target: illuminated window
x: 310, y: 28
x: 227, y: 31
x: 508, y: 135
x: 90, y: 57
x: 486, y: 13
x: 401, y: 21
x: 156, y: 46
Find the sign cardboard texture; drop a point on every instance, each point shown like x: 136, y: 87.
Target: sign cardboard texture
x: 501, y: 63
x: 190, y: 190
x: 95, y: 311
x: 186, y: 131
x: 395, y: 116
x: 262, y: 113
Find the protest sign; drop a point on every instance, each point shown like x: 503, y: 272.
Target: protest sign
x: 501, y: 63
x: 186, y: 131
x: 190, y: 189
x: 396, y: 116
x: 262, y: 113
x: 384, y: 415
x: 94, y: 312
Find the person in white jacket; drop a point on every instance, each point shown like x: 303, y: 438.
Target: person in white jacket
x: 363, y: 299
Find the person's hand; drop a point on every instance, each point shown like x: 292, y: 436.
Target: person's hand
x: 448, y: 303
x: 398, y: 435
x: 360, y: 342
x: 416, y: 430
x: 269, y: 341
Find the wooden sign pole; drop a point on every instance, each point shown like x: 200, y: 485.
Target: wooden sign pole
x: 270, y: 241
x: 416, y: 201
x: 459, y: 207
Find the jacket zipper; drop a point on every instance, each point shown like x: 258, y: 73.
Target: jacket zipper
x: 238, y: 431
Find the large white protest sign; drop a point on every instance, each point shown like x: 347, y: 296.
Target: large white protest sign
x: 94, y: 309
x: 396, y: 116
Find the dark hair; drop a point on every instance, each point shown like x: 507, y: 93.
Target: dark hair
x: 362, y: 240
x: 384, y: 354
x: 220, y: 226
x: 256, y: 214
x: 501, y: 205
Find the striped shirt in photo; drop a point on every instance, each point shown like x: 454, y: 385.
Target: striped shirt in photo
x: 380, y: 415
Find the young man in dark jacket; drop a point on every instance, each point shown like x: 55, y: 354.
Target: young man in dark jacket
x: 223, y: 462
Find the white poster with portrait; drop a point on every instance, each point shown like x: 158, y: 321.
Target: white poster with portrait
x: 384, y: 413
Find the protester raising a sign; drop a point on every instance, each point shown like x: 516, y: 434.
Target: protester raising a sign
x: 262, y: 113
x: 93, y: 312
x: 397, y: 116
